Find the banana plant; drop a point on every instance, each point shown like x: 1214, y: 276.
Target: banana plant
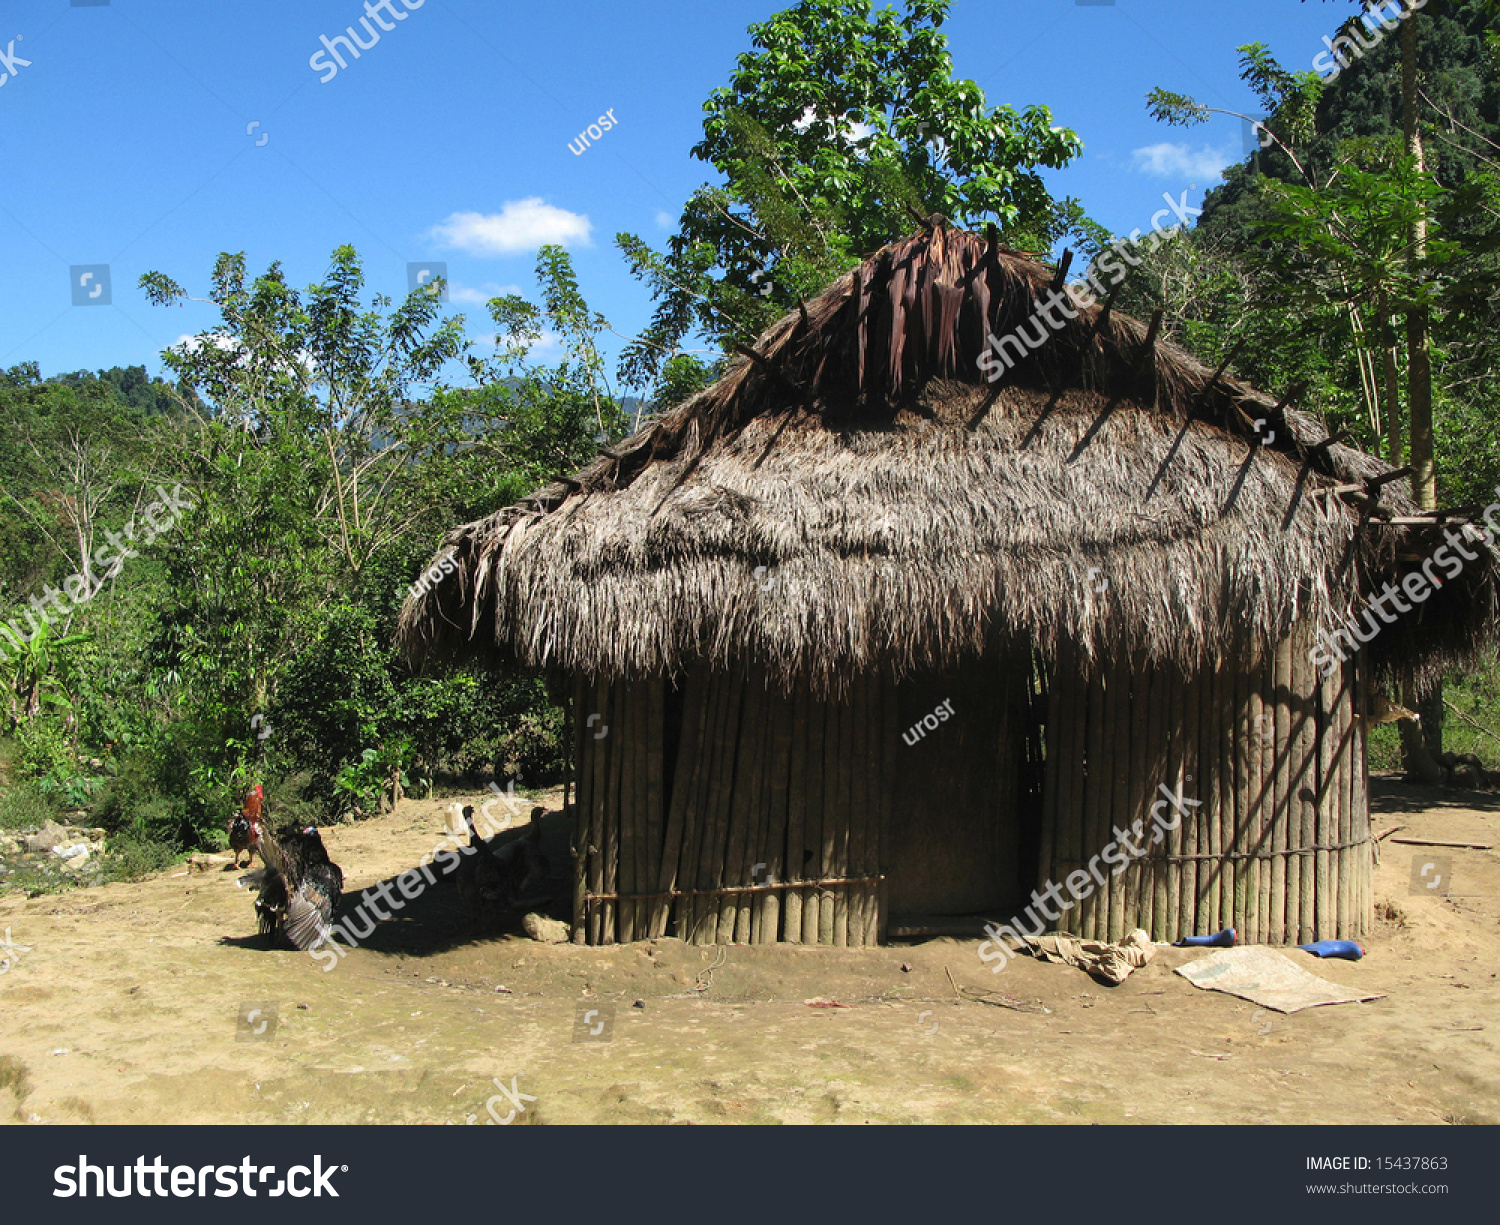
x: 34, y: 672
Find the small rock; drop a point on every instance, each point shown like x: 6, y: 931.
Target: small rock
x: 503, y: 991
x: 72, y: 852
x: 50, y: 835
x: 641, y: 1004
x: 303, y: 1007
x: 548, y: 931
x: 906, y: 967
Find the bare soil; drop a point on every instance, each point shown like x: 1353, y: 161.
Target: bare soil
x: 124, y: 1005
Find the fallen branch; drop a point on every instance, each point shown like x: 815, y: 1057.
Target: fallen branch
x: 1463, y: 846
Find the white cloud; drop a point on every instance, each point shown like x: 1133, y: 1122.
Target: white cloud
x: 1174, y: 161
x: 855, y: 130
x: 549, y: 344
x: 479, y: 295
x: 664, y: 220
x: 189, y: 343
x: 521, y: 225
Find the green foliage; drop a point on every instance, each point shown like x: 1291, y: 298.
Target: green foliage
x: 26, y: 806
x: 132, y: 858
x: 832, y: 137
x: 1304, y: 254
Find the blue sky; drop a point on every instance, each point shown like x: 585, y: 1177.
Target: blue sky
x: 154, y: 134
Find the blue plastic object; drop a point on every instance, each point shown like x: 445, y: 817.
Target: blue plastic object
x: 1346, y: 949
x: 1219, y: 940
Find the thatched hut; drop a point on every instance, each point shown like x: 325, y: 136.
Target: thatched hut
x: 856, y: 637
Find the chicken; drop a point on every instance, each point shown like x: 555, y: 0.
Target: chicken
x: 243, y: 826
x: 533, y: 887
x: 515, y: 876
x: 299, y: 886
x: 481, y: 879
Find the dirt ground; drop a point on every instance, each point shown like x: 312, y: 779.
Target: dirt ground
x: 125, y: 1004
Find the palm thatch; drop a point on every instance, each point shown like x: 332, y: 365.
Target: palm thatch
x: 853, y: 493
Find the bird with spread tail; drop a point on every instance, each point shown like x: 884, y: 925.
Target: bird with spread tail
x: 299, y: 886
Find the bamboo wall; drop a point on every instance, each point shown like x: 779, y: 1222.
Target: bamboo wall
x: 771, y: 828
x: 724, y: 812
x: 1275, y: 755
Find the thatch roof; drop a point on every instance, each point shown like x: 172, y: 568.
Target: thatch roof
x: 854, y: 493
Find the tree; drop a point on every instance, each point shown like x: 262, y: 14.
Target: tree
x: 833, y: 137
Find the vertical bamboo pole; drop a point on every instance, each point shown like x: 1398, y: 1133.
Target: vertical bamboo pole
x: 876, y: 752
x: 640, y: 752
x: 1140, y: 788
x: 1126, y: 733
x: 812, y: 823
x: 627, y: 733
x: 1301, y: 832
x: 583, y: 768
x: 774, y: 850
x: 1263, y: 724
x: 734, y: 909
x: 858, y: 774
x: 689, y: 761
x: 796, y: 813
x: 1343, y: 796
x: 1281, y: 795
x: 1228, y: 725
x: 1169, y: 895
x: 1325, y: 810
x: 1208, y: 825
x: 618, y: 717
x: 1047, y: 861
x: 1192, y: 774
x: 1073, y: 687
x: 598, y: 800
x: 890, y: 759
x: 728, y: 744
x: 1344, y: 766
x: 848, y: 716
x: 656, y: 800
x: 695, y: 799
x: 755, y: 830
x: 1089, y: 923
x: 832, y: 817
x: 1154, y: 886
x: 868, y: 771
x: 1241, y: 739
x: 1364, y: 890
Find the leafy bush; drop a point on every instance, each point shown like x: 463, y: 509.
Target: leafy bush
x: 26, y: 806
x: 43, y: 750
x: 132, y: 857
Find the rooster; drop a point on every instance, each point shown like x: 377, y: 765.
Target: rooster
x: 299, y: 886
x: 243, y: 832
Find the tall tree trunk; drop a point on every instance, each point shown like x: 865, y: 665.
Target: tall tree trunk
x: 1419, y: 358
x: 1418, y: 352
x: 1391, y: 381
